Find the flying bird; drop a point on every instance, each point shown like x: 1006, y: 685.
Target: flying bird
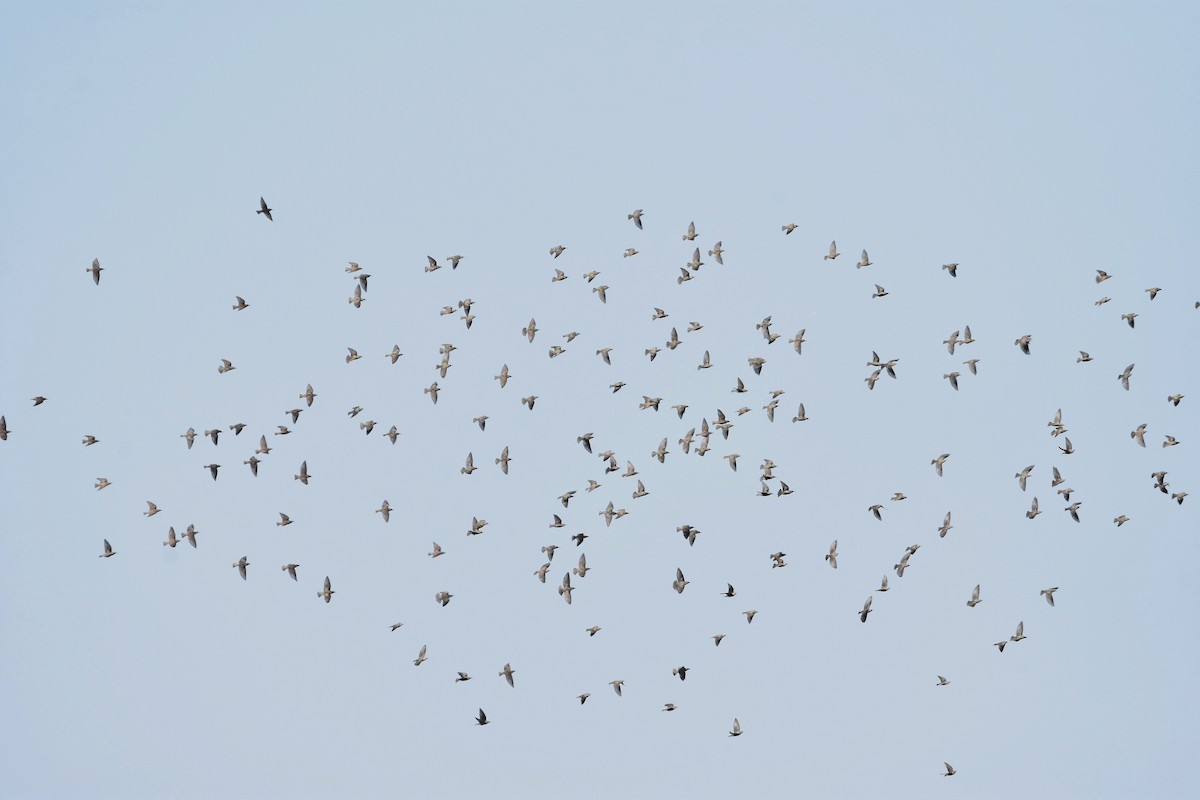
x: 264, y: 209
x: 95, y: 269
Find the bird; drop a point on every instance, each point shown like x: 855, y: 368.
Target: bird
x: 974, y: 601
x: 432, y: 391
x: 883, y: 587
x: 303, y: 476
x: 833, y: 251
x: 679, y: 583
x: 241, y: 565
x: 797, y: 340
x: 1069, y: 449
x: 832, y: 555
x: 1023, y: 476
x: 600, y: 292
x: 879, y: 290
x: 946, y: 526
x: 557, y: 250
x: 529, y: 401
x: 212, y: 468
x: 327, y: 592
x: 284, y: 519
x: 942, y: 681
x: 1130, y: 317
x: 1023, y: 343
x: 1073, y: 509
x: 290, y: 569
x: 749, y: 615
x: 952, y: 269
x: 1020, y: 634
x: 636, y: 216
x: 95, y: 269
x: 240, y: 305
x: 385, y: 510
x: 949, y: 769
x: 1121, y: 520
x: 171, y: 539
x: 903, y: 565
x: 1033, y: 509
x: 737, y: 728
x: 938, y: 462
x: 668, y: 707
x: 953, y: 378
x: 617, y: 684
x: 226, y: 366
x: 691, y: 232
x: 1102, y: 276
x: 1170, y: 441
x: 866, y: 609
x: 420, y: 659
x: 482, y: 718
x: 108, y: 551
x: 717, y: 253
x: 787, y: 229
x: 264, y: 209
x: 1124, y: 376
x: 583, y: 698
x: 1049, y: 594
x: 875, y: 509
x: 190, y: 535
x: 865, y: 261
x: 437, y: 551
x: 1174, y: 399
x: 507, y: 674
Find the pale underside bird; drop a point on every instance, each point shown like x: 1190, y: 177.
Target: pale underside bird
x: 290, y: 569
x: 264, y: 209
x: 241, y: 565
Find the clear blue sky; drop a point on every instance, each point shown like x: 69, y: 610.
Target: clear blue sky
x: 1032, y: 143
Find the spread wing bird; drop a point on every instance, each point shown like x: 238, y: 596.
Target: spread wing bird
x: 737, y: 728
x: 1020, y: 634
x: 946, y: 526
x: 557, y: 250
x: 303, y: 476
x: 1124, y: 377
x: 691, y: 232
x: 503, y: 460
x: 832, y: 555
x: 1033, y: 509
x: 636, y: 216
x: 290, y: 569
x: 717, y: 253
x: 241, y: 565
x: 679, y: 583
x: 507, y: 674
x: 95, y: 269
x: 482, y: 718
x: 833, y: 251
x: 420, y: 659
x: 949, y: 769
x: 1049, y: 594
x: 264, y: 209
x: 938, y: 462
x: 108, y: 551
x: 327, y: 592
x: 866, y: 609
x: 974, y: 601
x: 865, y: 261
x: 1023, y: 476
x: 952, y: 269
x: 1023, y: 343
x: 942, y: 681
x: 787, y: 229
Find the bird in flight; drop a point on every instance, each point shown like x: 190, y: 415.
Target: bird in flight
x: 264, y: 209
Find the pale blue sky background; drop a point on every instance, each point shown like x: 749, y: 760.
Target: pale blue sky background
x: 1032, y: 143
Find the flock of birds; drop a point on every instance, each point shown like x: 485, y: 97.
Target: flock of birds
x: 695, y: 441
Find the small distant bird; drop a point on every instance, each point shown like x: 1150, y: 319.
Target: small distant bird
x: 240, y: 305
x: 679, y: 584
x: 636, y: 216
x: 717, y: 253
x: 749, y: 615
x: 833, y: 251
x: 865, y: 261
x: 190, y: 535
x: 290, y: 569
x: 171, y: 539
x: 600, y: 290
x: 507, y: 674
x: 1130, y: 317
x: 879, y: 291
x: 529, y: 401
x: 37, y: 401
x: 952, y: 269
x: 1049, y: 594
x: 974, y: 601
x: 1174, y: 399
x: 787, y: 229
x: 737, y: 728
x: 583, y: 698
x: 284, y: 519
x: 953, y: 378
x: 226, y: 366
x: 482, y: 718
x: 95, y: 269
x: 385, y: 510
x: 717, y: 639
x: 946, y: 526
x: 875, y: 509
x: 1102, y: 276
x: 1033, y: 509
x: 691, y: 232
x: 617, y: 684
x: 1153, y: 292
x: 1023, y: 476
x: 241, y: 565
x: 1170, y: 441
x: 832, y: 555
x: 432, y: 391
x: 437, y: 551
x: 327, y: 592
x: 108, y: 551
x: 1023, y: 343
x: 938, y: 462
x: 264, y: 209
x: 420, y: 659
x: 883, y: 587
x: 1020, y: 634
x: 303, y: 476
x: 949, y: 769
x: 503, y: 460
x: 103, y: 483
x: 866, y: 609
x: 1084, y: 357
x: 1124, y: 376
x: 1121, y: 520
x: 557, y: 250
x: 212, y: 468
